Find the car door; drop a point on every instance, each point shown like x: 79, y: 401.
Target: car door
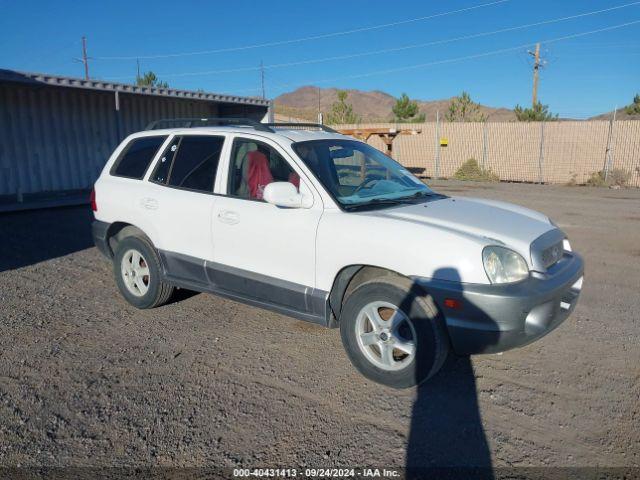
x: 180, y: 198
x: 263, y: 252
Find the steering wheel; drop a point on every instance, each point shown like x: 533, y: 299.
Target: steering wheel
x: 366, y: 184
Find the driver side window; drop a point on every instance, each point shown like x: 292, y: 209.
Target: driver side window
x: 253, y: 166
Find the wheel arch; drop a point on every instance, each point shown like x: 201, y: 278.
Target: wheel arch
x: 119, y: 230
x: 348, y: 279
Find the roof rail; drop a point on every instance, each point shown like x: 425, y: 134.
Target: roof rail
x: 207, y: 122
x: 322, y: 127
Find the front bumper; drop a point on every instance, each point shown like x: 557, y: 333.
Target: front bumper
x: 495, y: 318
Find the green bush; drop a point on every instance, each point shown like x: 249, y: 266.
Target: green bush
x: 596, y: 179
x: 538, y: 113
x: 470, y: 170
x: 616, y: 177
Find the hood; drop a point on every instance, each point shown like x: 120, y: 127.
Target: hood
x: 499, y: 222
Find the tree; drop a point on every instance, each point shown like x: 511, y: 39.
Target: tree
x: 406, y: 110
x: 463, y: 109
x: 634, y: 108
x: 341, y: 111
x: 538, y: 113
x: 149, y: 79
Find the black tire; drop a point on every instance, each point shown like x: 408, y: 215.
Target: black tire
x: 158, y: 292
x: 432, y: 344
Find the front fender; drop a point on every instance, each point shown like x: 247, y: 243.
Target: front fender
x: 405, y: 247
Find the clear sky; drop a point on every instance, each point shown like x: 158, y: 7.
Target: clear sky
x: 582, y: 76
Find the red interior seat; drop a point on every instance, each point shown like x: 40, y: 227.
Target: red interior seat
x: 259, y: 174
x: 295, y: 179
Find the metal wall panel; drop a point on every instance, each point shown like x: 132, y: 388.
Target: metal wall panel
x: 55, y: 139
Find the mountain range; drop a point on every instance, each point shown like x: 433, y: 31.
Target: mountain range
x: 372, y: 106
x: 375, y: 106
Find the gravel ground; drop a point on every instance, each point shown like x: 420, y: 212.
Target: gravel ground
x: 87, y: 380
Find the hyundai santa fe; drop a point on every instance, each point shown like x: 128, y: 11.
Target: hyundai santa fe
x: 312, y: 224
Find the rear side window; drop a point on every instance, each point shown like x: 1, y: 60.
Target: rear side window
x: 136, y: 157
x: 190, y: 162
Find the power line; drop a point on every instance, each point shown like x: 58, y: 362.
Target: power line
x: 590, y: 55
x: 459, y: 59
x: 520, y: 48
x: 609, y: 44
x: 394, y: 49
x: 309, y: 38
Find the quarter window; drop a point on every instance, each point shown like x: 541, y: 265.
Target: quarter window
x: 161, y: 173
x: 137, y: 156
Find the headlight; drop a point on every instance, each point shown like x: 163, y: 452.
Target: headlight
x: 566, y: 245
x: 503, y: 265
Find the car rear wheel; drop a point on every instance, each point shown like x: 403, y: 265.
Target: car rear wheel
x: 137, y: 270
x: 393, y: 332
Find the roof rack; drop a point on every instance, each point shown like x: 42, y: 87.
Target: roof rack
x: 205, y: 122
x: 231, y: 121
x: 322, y: 127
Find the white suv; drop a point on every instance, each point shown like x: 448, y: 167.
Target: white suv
x: 319, y: 226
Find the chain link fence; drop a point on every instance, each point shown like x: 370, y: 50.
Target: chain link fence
x: 561, y: 152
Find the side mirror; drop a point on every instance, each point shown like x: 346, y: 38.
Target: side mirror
x: 285, y: 194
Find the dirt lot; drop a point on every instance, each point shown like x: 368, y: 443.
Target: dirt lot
x: 85, y: 379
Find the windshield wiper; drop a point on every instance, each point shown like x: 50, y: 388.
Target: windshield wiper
x: 381, y: 201
x: 408, y: 200
x: 421, y: 194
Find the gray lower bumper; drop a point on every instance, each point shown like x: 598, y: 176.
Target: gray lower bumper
x: 99, y: 231
x: 495, y: 318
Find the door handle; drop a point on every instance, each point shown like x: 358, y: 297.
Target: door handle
x: 228, y: 217
x: 149, y: 203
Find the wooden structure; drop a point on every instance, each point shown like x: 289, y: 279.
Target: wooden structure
x: 386, y: 134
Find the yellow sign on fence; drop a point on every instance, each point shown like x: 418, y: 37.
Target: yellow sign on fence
x: 444, y: 141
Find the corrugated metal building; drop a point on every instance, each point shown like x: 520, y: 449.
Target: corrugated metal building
x: 56, y: 132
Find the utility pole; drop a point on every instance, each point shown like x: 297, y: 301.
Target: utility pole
x: 320, y: 119
x: 536, y: 68
x: 437, y: 144
x: 607, y: 160
x: 137, y: 69
x: 85, y: 59
x: 262, y: 77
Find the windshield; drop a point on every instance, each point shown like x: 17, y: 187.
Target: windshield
x: 357, y: 174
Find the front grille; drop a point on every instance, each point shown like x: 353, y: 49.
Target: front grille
x: 547, y: 250
x: 552, y: 254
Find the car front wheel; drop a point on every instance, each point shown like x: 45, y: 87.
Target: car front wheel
x: 393, y: 332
